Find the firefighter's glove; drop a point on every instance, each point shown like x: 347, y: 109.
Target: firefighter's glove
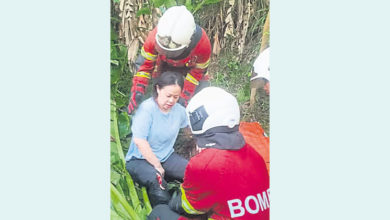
x: 135, y: 99
x: 182, y: 101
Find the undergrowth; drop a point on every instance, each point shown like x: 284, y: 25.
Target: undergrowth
x: 233, y: 75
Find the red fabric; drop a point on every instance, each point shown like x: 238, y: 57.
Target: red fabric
x: 137, y: 81
x: 254, y: 135
x: 139, y: 85
x: 132, y: 103
x: 149, y: 47
x: 200, y: 54
x: 188, y: 90
x: 214, y: 177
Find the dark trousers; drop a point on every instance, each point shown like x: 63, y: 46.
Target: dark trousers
x: 145, y: 174
x: 163, y: 212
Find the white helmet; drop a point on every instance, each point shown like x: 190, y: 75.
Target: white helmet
x: 174, y: 31
x: 210, y: 108
x: 261, y: 65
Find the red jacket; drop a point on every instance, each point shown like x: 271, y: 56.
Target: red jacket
x: 196, y: 62
x: 229, y: 184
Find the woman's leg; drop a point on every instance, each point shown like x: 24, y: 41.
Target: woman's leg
x: 175, y: 166
x: 144, y: 173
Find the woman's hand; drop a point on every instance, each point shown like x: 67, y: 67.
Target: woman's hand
x: 160, y: 169
x: 160, y: 176
x: 148, y: 154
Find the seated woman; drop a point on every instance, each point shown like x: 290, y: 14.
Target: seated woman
x: 155, y: 127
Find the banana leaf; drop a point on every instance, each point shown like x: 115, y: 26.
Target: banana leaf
x: 115, y: 216
x: 123, y: 190
x: 115, y: 134
x: 119, y: 200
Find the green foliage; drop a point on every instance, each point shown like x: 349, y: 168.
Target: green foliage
x: 259, y: 18
x: 143, y: 11
x: 162, y: 4
x: 192, y: 5
x: 124, y: 125
x: 196, y: 5
x: 120, y: 72
x: 243, y: 94
x: 233, y: 76
x: 125, y: 202
x: 121, y: 77
x: 121, y: 206
x: 170, y: 3
x: 158, y: 3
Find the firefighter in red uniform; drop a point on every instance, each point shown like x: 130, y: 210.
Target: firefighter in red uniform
x: 176, y: 44
x: 228, y: 179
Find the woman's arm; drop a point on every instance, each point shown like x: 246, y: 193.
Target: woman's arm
x: 148, y: 154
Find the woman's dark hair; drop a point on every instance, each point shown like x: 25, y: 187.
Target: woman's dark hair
x: 166, y: 79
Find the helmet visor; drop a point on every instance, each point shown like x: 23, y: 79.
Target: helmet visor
x: 169, y: 48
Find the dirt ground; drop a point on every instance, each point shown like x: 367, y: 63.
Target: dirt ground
x: 259, y: 112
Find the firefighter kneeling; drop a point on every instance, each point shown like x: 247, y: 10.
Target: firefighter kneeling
x: 228, y: 178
